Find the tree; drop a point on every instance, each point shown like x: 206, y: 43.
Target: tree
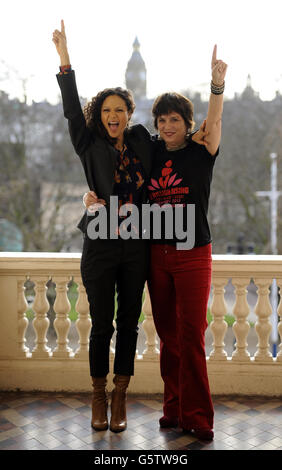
x: 34, y: 145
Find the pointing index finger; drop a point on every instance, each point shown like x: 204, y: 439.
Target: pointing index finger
x: 62, y: 26
x: 214, y: 54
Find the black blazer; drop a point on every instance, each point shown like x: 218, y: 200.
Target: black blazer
x: 97, y: 156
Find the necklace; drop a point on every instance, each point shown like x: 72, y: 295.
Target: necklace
x: 179, y: 147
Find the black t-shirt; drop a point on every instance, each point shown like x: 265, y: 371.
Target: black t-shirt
x: 183, y: 177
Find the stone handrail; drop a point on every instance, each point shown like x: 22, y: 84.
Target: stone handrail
x: 43, y: 368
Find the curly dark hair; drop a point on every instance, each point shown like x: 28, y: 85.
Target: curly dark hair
x: 92, y: 110
x: 174, y: 102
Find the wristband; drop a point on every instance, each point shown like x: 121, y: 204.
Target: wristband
x: 217, y: 89
x: 64, y: 69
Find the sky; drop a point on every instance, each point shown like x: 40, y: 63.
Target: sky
x: 176, y: 37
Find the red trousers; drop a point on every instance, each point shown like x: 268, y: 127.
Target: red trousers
x: 179, y: 286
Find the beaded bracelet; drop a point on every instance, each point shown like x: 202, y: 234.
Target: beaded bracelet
x: 217, y: 89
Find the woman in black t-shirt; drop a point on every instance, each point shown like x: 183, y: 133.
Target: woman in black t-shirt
x: 180, y: 278
x: 180, y: 272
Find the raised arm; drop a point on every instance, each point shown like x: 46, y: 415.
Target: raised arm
x: 79, y: 133
x: 213, y: 120
x: 60, y: 41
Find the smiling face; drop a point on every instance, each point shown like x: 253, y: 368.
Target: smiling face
x: 172, y: 129
x: 115, y: 117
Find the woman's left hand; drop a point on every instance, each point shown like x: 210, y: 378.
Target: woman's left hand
x: 218, y: 68
x: 92, y: 202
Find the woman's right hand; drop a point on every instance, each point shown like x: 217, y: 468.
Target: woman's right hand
x: 60, y: 41
x: 200, y: 137
x: 92, y: 202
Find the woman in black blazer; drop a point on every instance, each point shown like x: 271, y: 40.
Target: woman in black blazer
x: 117, y: 161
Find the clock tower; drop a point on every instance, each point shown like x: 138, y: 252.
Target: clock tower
x: 135, y: 76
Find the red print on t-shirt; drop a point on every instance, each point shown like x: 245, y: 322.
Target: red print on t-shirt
x: 165, y: 181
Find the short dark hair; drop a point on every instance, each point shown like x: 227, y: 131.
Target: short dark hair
x: 92, y: 110
x: 174, y: 102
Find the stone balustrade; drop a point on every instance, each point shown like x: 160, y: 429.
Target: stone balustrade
x: 63, y: 368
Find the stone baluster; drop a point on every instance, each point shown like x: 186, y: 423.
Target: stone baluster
x: 22, y: 307
x: 241, y: 326
x: 151, y: 351
x: 218, y: 325
x: 41, y: 322
x: 263, y: 327
x: 83, y: 323
x: 279, y: 311
x: 62, y: 322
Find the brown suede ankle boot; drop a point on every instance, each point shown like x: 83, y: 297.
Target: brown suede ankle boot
x: 99, y: 420
x: 118, y: 406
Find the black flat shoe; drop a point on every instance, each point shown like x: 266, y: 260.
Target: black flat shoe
x: 166, y: 422
x: 203, y: 434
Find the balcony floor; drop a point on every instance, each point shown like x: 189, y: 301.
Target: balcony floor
x: 61, y: 421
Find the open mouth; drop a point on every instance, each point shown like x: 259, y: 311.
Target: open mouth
x: 113, y: 126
